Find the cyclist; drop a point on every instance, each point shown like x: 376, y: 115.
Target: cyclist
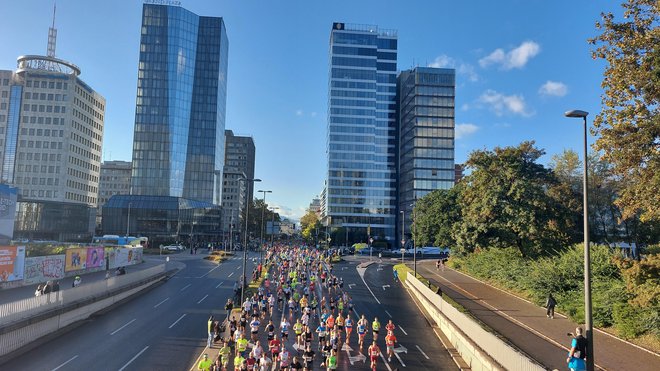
x: 373, y: 351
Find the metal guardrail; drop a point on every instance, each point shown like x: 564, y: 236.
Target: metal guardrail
x: 501, y: 352
x: 26, y: 308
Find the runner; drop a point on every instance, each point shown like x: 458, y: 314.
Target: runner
x: 375, y: 326
x: 274, y: 347
x: 390, y: 341
x: 373, y: 351
x: 348, y: 324
x: 224, y: 354
x: 308, y: 355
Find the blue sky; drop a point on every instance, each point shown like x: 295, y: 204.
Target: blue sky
x: 520, y: 65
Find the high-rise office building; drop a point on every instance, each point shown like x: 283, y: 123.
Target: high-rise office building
x: 426, y: 136
x: 115, y: 180
x: 362, y: 132
x: 178, y: 147
x: 51, y: 132
x: 239, y: 163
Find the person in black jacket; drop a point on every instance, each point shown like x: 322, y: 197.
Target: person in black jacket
x: 550, y: 303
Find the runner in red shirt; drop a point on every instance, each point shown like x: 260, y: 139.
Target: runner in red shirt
x: 390, y: 341
x: 373, y: 351
x: 274, y: 346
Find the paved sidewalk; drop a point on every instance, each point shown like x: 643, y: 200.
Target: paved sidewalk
x: 526, y: 326
x: 24, y: 292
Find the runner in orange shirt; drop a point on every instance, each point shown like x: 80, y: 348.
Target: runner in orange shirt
x: 390, y: 341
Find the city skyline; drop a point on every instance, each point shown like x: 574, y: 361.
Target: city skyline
x: 515, y: 75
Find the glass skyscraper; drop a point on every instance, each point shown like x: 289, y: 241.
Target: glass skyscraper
x: 426, y: 136
x: 178, y: 146
x: 362, y: 132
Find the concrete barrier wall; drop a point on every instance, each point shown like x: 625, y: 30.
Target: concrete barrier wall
x: 20, y: 337
x: 481, y: 349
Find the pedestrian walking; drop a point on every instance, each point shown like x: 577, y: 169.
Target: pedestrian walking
x: 550, y: 303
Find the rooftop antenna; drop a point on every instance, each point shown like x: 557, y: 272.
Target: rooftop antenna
x: 52, y: 35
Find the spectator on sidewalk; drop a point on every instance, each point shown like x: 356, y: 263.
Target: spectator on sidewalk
x: 578, y: 354
x: 550, y: 303
x: 76, y: 281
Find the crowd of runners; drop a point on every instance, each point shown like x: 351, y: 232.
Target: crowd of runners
x: 298, y: 319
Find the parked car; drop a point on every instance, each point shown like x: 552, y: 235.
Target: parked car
x: 174, y: 247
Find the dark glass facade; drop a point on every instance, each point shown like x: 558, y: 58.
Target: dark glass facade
x: 426, y: 136
x: 13, y: 119
x: 54, y: 221
x: 178, y: 147
x: 362, y: 131
x: 161, y: 217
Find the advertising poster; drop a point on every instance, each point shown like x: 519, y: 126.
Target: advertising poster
x: 127, y: 256
x: 76, y: 259
x: 43, y: 268
x: 95, y: 257
x: 12, y: 263
x: 8, y: 196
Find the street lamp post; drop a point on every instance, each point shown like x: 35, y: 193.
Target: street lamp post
x: 247, y: 213
x: 587, y: 258
x: 128, y: 219
x: 403, y: 233
x: 414, y: 241
x: 263, y: 213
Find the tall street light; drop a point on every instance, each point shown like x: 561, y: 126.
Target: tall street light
x: 247, y: 213
x: 128, y: 219
x: 263, y: 212
x: 414, y: 241
x: 403, y: 233
x: 587, y: 258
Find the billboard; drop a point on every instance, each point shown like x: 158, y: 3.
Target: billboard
x: 8, y: 196
x: 127, y: 256
x: 43, y: 268
x: 12, y: 263
x: 95, y: 257
x: 76, y: 259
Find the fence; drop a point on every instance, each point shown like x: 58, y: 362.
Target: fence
x: 26, y: 308
x: 482, y: 341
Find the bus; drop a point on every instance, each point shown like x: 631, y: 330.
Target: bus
x: 114, y: 240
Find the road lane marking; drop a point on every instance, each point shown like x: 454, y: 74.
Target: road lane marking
x: 385, y: 361
x: 220, y: 284
x: 177, y: 321
x: 212, y: 269
x: 361, y: 272
x: 186, y: 286
x: 121, y: 328
x: 388, y: 313
x: 157, y: 305
x: 421, y: 351
x: 202, y: 299
x: 134, y: 358
x: 64, y: 364
x: 404, y: 331
x: 230, y: 274
x: 239, y: 267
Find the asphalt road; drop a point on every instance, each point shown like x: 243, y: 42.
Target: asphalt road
x: 162, y: 329
x: 379, y: 296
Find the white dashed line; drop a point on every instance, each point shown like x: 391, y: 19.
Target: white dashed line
x: 388, y: 313
x: 220, y: 284
x: 186, y: 286
x: 421, y: 351
x: 230, y: 274
x: 157, y: 305
x: 64, y: 364
x: 202, y: 299
x: 134, y: 358
x: 404, y: 331
x: 121, y: 328
x: 177, y: 321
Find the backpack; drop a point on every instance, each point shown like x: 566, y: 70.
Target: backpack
x: 580, y: 347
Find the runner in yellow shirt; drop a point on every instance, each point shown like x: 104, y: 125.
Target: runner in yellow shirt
x: 375, y: 326
x: 204, y: 363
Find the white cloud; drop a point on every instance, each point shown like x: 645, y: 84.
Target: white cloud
x: 463, y: 130
x: 465, y: 69
x: 501, y: 103
x: 299, y: 112
x: 553, y: 88
x: 515, y: 58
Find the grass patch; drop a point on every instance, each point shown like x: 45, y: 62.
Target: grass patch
x: 403, y: 271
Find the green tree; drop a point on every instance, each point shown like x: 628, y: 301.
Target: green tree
x: 505, y: 203
x: 255, y: 218
x: 434, y: 217
x: 628, y: 127
x: 309, y: 224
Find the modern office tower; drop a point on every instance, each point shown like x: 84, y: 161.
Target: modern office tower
x: 115, y: 180
x: 426, y: 136
x: 239, y: 163
x: 362, y: 132
x: 458, y: 172
x: 178, y: 146
x: 51, y: 132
